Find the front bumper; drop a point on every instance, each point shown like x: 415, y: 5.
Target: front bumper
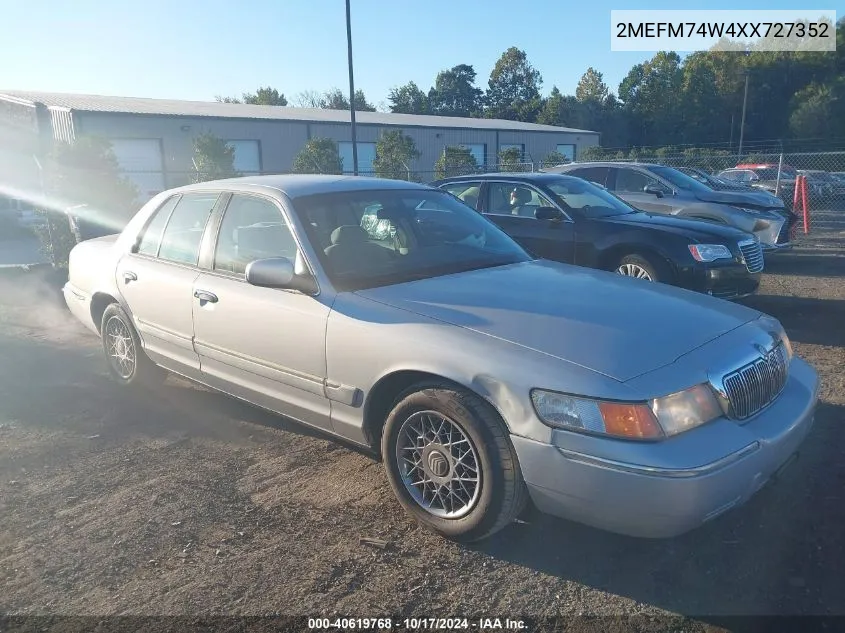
x: 675, y: 485
x: 723, y: 279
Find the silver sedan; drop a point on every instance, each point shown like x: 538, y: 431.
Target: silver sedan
x: 393, y: 316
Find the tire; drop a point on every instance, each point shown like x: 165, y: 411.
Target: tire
x: 134, y: 368
x: 475, y: 510
x: 646, y: 267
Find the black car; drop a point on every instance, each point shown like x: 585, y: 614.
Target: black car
x: 574, y: 221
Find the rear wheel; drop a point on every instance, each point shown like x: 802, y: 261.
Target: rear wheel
x: 645, y: 267
x: 450, y: 462
x: 126, y: 361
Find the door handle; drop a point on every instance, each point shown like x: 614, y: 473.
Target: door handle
x: 204, y: 295
x: 129, y: 276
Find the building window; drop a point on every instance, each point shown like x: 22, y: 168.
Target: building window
x: 366, y: 157
x: 518, y: 146
x: 478, y: 151
x: 567, y: 150
x: 247, y: 156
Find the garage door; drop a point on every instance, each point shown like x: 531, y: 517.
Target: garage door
x: 247, y: 157
x: 141, y: 162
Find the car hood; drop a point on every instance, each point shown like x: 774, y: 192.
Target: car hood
x: 737, y: 198
x: 697, y: 230
x: 614, y: 325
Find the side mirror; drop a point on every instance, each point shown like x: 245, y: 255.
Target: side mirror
x: 654, y: 190
x: 278, y: 272
x: 548, y: 213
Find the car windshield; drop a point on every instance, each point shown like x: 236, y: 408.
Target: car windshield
x: 588, y: 199
x: 366, y: 239
x: 678, y: 178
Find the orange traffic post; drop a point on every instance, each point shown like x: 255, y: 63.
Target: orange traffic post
x: 805, y: 205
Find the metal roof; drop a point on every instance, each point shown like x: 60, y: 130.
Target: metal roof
x: 298, y: 185
x: 174, y: 107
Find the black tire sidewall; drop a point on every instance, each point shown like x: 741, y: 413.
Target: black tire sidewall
x: 464, y: 412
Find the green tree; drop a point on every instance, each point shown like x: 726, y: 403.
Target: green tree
x: 651, y: 94
x: 591, y: 87
x: 335, y: 99
x: 454, y: 161
x: 554, y: 158
x: 408, y: 99
x: 513, y: 90
x: 818, y: 111
x: 83, y: 173
x: 510, y: 160
x: 318, y: 156
x: 454, y: 92
x: 564, y: 111
x: 395, y: 152
x: 213, y: 158
x: 262, y: 96
x: 266, y: 96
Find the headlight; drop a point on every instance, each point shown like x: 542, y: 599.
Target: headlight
x: 686, y: 409
x: 709, y: 252
x: 628, y: 420
x: 656, y: 419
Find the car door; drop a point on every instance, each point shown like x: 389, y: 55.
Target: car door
x: 511, y: 205
x: 156, y: 279
x: 629, y: 183
x: 265, y: 345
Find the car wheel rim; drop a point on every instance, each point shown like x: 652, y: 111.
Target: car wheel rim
x: 633, y: 270
x: 438, y: 465
x: 120, y: 348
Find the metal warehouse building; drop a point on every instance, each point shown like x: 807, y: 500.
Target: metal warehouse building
x: 152, y: 138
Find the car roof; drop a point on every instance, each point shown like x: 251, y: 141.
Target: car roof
x: 530, y: 176
x: 609, y: 163
x: 299, y: 185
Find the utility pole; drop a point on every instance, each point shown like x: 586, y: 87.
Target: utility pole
x: 742, y: 124
x: 352, y: 90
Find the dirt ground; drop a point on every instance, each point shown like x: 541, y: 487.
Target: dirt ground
x: 186, y: 502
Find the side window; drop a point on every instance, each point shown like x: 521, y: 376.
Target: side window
x: 252, y: 228
x: 151, y: 237
x: 632, y: 181
x: 593, y: 174
x: 514, y: 199
x: 183, y: 234
x: 468, y: 192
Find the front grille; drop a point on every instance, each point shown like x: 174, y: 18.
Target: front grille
x: 752, y: 253
x: 752, y: 387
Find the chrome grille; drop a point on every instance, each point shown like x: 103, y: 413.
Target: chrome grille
x: 752, y: 387
x: 752, y: 253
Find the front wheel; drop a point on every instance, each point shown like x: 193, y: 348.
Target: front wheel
x: 450, y: 462
x: 642, y: 267
x: 125, y: 358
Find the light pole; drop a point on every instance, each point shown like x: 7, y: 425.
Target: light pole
x: 742, y: 123
x: 351, y: 90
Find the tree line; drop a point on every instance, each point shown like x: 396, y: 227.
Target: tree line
x: 793, y: 96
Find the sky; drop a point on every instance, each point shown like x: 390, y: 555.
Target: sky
x: 188, y: 49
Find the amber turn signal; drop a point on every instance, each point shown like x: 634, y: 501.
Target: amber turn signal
x: 630, y: 420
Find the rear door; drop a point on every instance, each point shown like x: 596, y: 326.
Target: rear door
x: 511, y: 205
x: 156, y: 279
x: 467, y: 192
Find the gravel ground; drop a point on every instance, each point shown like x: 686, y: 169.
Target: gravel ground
x: 186, y: 502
